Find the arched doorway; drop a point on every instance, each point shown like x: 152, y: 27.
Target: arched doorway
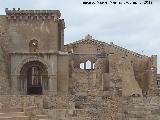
x: 33, y: 78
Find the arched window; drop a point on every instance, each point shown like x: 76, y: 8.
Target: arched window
x: 93, y: 67
x: 33, y: 46
x: 88, y: 65
x: 81, y: 65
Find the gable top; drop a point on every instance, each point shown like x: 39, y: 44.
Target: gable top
x: 88, y: 39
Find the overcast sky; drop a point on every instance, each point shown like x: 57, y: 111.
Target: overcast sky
x: 135, y: 27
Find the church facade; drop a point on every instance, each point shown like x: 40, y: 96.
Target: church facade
x: 84, y: 80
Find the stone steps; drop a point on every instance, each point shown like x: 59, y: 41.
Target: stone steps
x: 6, y: 110
x: 81, y: 118
x: 42, y: 117
x: 137, y: 112
x: 13, y: 116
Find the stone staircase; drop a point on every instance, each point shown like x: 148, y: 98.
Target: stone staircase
x: 13, y: 116
x: 20, y: 116
x: 42, y: 117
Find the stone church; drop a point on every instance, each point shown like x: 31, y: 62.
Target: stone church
x: 43, y: 79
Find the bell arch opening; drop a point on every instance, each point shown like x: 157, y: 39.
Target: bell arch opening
x: 33, y: 78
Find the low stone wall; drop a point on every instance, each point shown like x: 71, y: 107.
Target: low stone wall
x: 64, y: 107
x: 31, y: 105
x: 84, y: 107
x: 88, y: 108
x: 141, y: 108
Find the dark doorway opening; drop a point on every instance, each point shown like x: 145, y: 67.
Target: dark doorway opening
x: 34, y: 81
x: 36, y: 76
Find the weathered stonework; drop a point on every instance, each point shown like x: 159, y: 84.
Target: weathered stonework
x: 84, y: 80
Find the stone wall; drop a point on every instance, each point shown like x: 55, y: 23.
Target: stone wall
x: 40, y: 25
x: 143, y: 66
x: 82, y: 107
x: 138, y: 66
x: 64, y: 107
x: 4, y: 57
x: 141, y: 108
x: 63, y: 74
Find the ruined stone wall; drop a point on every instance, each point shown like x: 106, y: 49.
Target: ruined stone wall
x: 141, y: 108
x: 4, y: 57
x: 84, y: 107
x: 93, y: 100
x: 64, y: 107
x: 82, y: 81
x: 141, y: 64
x: 127, y: 71
x: 125, y: 66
